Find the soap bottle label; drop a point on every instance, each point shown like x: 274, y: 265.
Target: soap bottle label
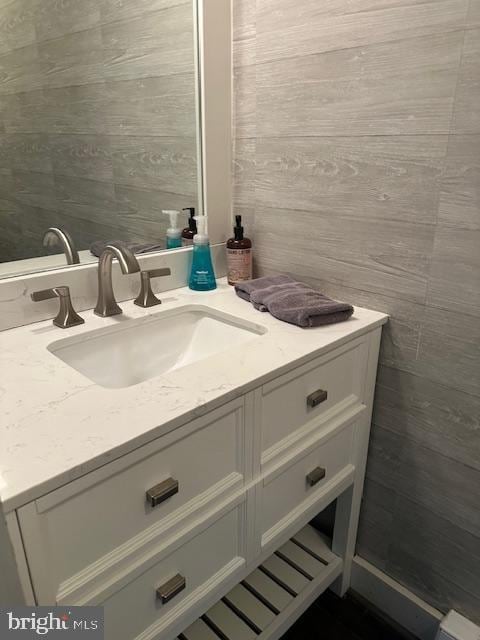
x: 239, y: 265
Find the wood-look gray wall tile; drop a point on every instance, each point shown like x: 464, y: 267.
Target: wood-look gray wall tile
x: 384, y: 457
x: 436, y: 557
x: 161, y: 44
x: 140, y: 211
x: 244, y: 183
x: 455, y: 260
x: 440, y: 484
x: 467, y: 114
x: 20, y: 71
x: 34, y: 189
x: 375, y: 532
x: 244, y: 102
x: 385, y: 178
x: 114, y: 10
x: 17, y: 25
x: 75, y: 59
x: 162, y: 106
x: 88, y: 199
x: 75, y: 110
x: 244, y: 33
x: 473, y: 16
x: 82, y: 156
x: 401, y: 87
x: 286, y: 30
x: 244, y: 166
x: 437, y: 417
x: 24, y: 112
x: 163, y: 164
x: 347, y: 250
x: 25, y: 152
x: 460, y: 190
x: 57, y: 18
x: 449, y: 349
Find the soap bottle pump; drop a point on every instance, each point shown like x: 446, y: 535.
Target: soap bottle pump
x: 239, y: 255
x: 189, y: 232
x: 174, y: 233
x: 202, y: 275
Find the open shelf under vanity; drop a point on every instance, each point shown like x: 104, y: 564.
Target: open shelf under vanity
x: 264, y: 604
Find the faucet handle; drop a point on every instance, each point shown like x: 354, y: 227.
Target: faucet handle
x: 146, y: 297
x: 67, y: 316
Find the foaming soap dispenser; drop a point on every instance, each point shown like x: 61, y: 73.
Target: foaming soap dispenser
x: 174, y: 233
x: 202, y: 275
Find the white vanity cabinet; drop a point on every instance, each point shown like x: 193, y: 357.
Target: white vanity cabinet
x: 159, y: 536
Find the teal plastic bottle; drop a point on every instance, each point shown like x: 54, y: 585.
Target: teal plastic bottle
x: 202, y: 275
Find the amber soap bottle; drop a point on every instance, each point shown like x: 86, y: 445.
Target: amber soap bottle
x: 239, y: 255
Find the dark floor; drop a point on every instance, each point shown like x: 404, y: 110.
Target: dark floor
x: 333, y: 618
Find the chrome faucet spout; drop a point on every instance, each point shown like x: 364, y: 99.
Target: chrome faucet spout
x: 54, y: 236
x: 106, y: 303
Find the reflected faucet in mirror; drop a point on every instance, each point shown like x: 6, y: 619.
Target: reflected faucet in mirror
x: 106, y: 303
x: 55, y: 236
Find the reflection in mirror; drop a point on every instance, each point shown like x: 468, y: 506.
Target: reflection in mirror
x: 98, y: 127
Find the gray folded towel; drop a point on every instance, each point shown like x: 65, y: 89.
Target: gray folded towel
x: 97, y: 247
x: 293, y: 302
x: 247, y: 287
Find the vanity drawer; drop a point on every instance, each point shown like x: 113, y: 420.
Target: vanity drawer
x: 106, y: 516
x: 296, y: 401
x: 295, y: 486
x: 190, y: 573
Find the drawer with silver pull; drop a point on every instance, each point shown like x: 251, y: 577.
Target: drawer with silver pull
x: 148, y: 605
x: 299, y: 401
x: 299, y: 482
x: 135, y: 501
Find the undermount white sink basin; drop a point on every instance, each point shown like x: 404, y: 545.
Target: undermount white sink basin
x: 136, y: 350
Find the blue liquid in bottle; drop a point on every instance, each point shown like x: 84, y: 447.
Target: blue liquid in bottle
x: 202, y: 275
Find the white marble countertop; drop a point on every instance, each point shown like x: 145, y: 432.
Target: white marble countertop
x: 56, y: 425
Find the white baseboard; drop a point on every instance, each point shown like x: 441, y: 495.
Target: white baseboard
x: 456, y: 627
x: 397, y: 602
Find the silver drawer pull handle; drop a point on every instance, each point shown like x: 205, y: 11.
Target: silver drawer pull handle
x: 316, y: 398
x: 315, y: 476
x: 171, y: 588
x: 162, y: 491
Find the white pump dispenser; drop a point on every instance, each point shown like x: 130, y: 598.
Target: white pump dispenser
x: 174, y: 233
x: 201, y: 237
x: 202, y: 274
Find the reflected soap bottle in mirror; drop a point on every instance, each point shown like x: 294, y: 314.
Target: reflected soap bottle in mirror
x: 174, y: 232
x: 189, y: 232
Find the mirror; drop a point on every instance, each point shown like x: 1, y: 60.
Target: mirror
x: 99, y: 126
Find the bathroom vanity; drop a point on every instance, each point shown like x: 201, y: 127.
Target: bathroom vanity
x: 151, y: 464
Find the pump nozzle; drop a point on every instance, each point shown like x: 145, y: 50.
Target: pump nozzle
x: 202, y: 234
x: 173, y: 215
x: 174, y: 234
x: 238, y: 229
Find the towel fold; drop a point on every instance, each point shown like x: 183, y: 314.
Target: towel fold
x: 97, y: 247
x: 292, y: 301
x: 245, y: 289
